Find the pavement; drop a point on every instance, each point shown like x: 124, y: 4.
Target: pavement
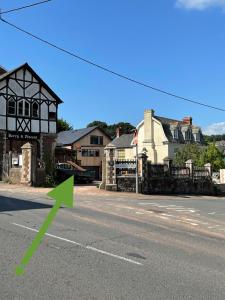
x: 113, y: 246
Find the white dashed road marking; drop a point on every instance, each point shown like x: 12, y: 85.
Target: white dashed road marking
x: 181, y: 209
x: 83, y: 246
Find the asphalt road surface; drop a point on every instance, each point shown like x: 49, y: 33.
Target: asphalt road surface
x: 113, y: 246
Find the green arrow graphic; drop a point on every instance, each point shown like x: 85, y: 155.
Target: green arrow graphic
x: 63, y: 194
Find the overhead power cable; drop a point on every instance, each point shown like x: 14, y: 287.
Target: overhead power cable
x: 113, y: 72
x: 23, y: 7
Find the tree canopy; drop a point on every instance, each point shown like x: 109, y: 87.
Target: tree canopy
x: 63, y: 125
x: 189, y: 151
x: 213, y: 138
x: 212, y: 155
x: 125, y: 127
x: 200, y: 156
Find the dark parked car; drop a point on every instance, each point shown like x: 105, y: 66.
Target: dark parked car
x: 66, y: 170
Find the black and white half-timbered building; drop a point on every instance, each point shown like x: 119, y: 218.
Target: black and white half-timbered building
x: 28, y: 120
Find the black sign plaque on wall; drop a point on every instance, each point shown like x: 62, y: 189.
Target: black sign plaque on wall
x: 22, y: 136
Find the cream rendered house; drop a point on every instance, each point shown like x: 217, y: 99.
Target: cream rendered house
x: 161, y: 137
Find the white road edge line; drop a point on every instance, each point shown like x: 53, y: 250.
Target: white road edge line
x: 83, y: 246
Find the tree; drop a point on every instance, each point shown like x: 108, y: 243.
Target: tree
x: 200, y: 156
x: 212, y: 155
x: 63, y: 125
x: 189, y: 151
x: 111, y: 129
x: 100, y: 124
x: 213, y: 138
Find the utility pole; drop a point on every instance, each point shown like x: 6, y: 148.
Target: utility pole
x: 135, y: 143
x: 136, y: 168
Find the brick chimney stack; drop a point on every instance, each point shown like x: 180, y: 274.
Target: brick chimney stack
x: 149, y: 133
x: 187, y: 120
x: 148, y: 125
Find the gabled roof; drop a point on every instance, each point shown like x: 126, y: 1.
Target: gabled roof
x: 124, y: 141
x: 28, y: 67
x: 69, y: 137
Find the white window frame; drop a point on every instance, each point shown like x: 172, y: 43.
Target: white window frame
x: 188, y: 135
x: 176, y: 134
x: 23, y: 101
x: 198, y: 137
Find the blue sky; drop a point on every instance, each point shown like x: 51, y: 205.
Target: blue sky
x: 176, y: 45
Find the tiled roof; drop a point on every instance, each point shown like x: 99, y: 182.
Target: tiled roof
x: 72, y: 136
x: 124, y: 141
x: 167, y: 120
x: 167, y: 125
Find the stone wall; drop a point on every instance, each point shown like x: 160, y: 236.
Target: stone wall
x: 169, y: 185
x: 203, y: 186
x: 220, y: 189
x: 15, y: 175
x: 128, y: 184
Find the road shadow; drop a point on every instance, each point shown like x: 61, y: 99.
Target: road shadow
x: 14, y: 204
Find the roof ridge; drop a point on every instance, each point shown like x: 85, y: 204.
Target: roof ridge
x: 30, y: 69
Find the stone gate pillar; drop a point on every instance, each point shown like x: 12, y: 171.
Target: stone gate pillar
x: 103, y: 183
x: 168, y: 164
x: 190, y: 165
x: 143, y: 164
x: 208, y: 167
x: 110, y: 168
x: 27, y: 170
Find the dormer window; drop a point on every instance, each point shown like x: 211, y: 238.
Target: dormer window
x: 198, y: 137
x: 188, y: 135
x: 176, y: 134
x: 23, y: 108
x: 12, y: 107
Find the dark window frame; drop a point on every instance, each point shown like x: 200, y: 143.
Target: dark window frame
x: 96, y: 140
x: 11, y: 100
x: 35, y: 111
x: 90, y: 153
x: 26, y: 109
x: 52, y: 116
